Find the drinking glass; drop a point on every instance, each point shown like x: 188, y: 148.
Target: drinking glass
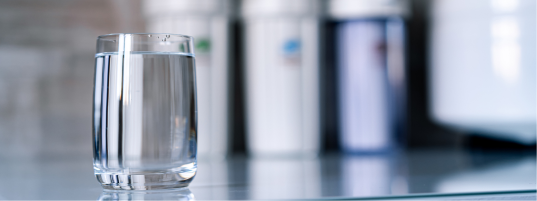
x: 144, y: 111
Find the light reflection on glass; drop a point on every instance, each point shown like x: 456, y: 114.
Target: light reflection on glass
x: 211, y: 173
x: 365, y: 175
x: 182, y: 194
x: 519, y: 175
x: 287, y: 178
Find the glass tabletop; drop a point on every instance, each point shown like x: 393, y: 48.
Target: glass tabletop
x: 403, y: 175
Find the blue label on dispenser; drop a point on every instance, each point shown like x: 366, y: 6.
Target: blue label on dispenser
x: 291, y: 52
x: 291, y: 47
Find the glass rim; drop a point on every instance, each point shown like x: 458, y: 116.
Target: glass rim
x: 145, y: 42
x: 139, y: 33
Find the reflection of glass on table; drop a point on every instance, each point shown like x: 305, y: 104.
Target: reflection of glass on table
x: 182, y: 194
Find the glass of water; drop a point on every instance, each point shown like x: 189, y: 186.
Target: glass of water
x: 144, y: 111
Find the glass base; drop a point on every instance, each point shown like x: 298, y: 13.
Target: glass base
x: 151, y: 181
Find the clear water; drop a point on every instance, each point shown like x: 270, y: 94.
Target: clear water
x: 144, y: 121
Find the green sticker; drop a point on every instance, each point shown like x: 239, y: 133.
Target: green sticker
x: 203, y: 45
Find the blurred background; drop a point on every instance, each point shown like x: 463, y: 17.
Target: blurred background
x: 458, y: 89
x: 291, y: 79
